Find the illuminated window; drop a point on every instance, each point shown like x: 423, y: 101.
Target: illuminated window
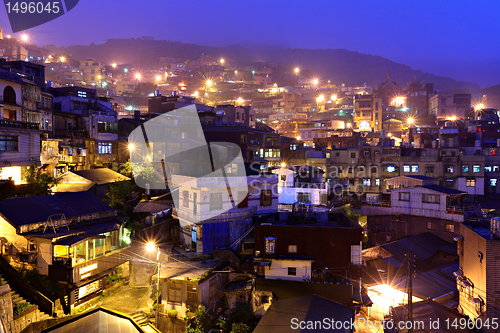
x: 270, y: 245
x: 449, y: 169
x: 487, y: 168
x: 431, y: 226
x: 367, y: 182
x: 414, y: 168
x: 476, y: 168
x: 449, y: 228
x: 391, y: 168
x: 470, y: 182
x: 493, y: 182
x: 105, y: 147
x: 377, y: 182
x: 292, y: 248
x: 406, y: 168
x: 465, y: 168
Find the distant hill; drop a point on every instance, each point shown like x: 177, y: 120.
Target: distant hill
x: 337, y: 65
x: 493, y: 96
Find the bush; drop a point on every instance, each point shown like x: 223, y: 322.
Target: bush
x: 172, y: 313
x: 21, y: 307
x: 240, y: 328
x: 115, y: 276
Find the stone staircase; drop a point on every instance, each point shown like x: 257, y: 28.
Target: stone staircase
x: 140, y: 318
x: 17, y: 298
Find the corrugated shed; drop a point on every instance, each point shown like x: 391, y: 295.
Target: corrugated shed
x: 220, y: 235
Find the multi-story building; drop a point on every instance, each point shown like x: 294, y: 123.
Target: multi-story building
x: 368, y: 112
x: 477, y: 277
x: 443, y: 106
x: 19, y: 125
x: 301, y: 184
x: 92, y: 73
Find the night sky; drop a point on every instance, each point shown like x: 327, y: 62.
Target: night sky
x: 460, y: 39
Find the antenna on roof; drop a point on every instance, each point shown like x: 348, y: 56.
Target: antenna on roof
x: 55, y: 221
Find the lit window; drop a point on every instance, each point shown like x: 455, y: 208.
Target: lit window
x: 431, y: 226
x: 292, y: 248
x: 406, y: 168
x: 270, y: 245
x: 470, y: 182
x: 414, y: 168
x: 476, y: 168
x: 449, y: 228
x: 377, y: 182
x: 487, y: 168
x: 391, y: 168
x: 105, y: 147
x: 366, y: 182
x: 465, y: 168
x: 449, y: 169
x: 493, y: 181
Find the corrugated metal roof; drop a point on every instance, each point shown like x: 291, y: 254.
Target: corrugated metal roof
x: 101, y: 176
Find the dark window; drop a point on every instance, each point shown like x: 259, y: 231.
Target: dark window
x: 174, y: 293
x: 292, y: 271
x: 9, y: 95
x: 215, y: 201
x: 192, y: 298
x: 8, y: 143
x: 266, y: 198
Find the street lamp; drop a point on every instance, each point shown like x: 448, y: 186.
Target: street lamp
x: 208, y: 83
x: 297, y: 70
x: 222, y: 61
x: 315, y: 82
x: 113, y: 65
x: 25, y: 38
x: 320, y: 98
x: 151, y: 247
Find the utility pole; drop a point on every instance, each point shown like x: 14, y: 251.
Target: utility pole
x: 410, y: 291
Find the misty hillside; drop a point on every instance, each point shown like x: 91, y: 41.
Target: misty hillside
x: 338, y: 65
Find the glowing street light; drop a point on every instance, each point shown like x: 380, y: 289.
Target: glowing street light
x: 479, y: 107
x: 63, y: 59
x: 113, y: 65
x: 334, y: 97
x: 389, y: 134
x: 315, y: 82
x: 283, y: 164
x: 131, y: 146
x: 452, y: 118
x: 25, y: 38
x: 158, y: 78
x: 222, y: 61
x: 348, y: 125
x: 297, y: 70
x: 138, y: 76
x: 196, y: 94
x: 320, y: 98
x: 240, y: 100
x: 410, y: 121
x: 209, y: 83
x: 298, y: 137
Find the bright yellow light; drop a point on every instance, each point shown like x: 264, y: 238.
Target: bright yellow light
x: 240, y: 100
x: 452, y: 118
x: 320, y: 98
x: 297, y: 70
x: 150, y: 246
x: 158, y: 77
x: 349, y: 125
x: 209, y: 83
x: 138, y: 76
x: 63, y: 59
x: 13, y: 173
x: 235, y: 72
x: 283, y: 164
x: 9, y: 36
x: 479, y: 107
x: 410, y: 121
x: 113, y: 65
x: 99, y: 77
x: 131, y: 146
x: 315, y: 81
x: 389, y: 134
x: 399, y: 100
x: 166, y: 74
x: 298, y: 137
x: 222, y: 61
x: 25, y: 38
x: 196, y: 94
x: 334, y: 97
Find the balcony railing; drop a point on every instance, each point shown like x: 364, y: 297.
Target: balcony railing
x: 18, y: 124
x: 321, y: 186
x: 80, y: 133
x: 240, y: 214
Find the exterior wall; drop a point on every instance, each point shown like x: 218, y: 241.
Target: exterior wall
x: 18, y: 242
x: 478, y: 189
x: 28, y: 147
x: 476, y: 272
x: 279, y: 270
x: 44, y: 258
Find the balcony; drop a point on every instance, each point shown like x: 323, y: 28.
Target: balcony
x: 320, y: 186
x: 18, y: 124
x: 78, y: 133
x: 385, y: 208
x: 231, y: 215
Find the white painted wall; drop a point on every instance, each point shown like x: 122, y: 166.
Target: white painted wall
x: 475, y: 190
x: 279, y: 270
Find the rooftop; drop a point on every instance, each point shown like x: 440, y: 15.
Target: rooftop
x: 101, y: 176
x: 188, y: 270
x: 41, y: 207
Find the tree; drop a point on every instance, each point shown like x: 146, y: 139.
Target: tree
x: 201, y: 321
x: 117, y: 194
x: 240, y: 328
x: 39, y: 182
